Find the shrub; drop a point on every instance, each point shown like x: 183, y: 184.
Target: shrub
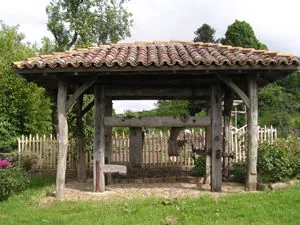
x: 12, y: 180
x: 275, y: 162
x: 239, y: 172
x: 199, y: 167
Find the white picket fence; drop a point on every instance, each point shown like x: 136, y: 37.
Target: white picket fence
x: 155, y: 150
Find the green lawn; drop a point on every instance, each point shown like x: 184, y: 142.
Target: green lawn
x: 281, y: 207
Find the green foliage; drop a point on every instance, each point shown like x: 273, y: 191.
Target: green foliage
x: 278, y: 161
x: 172, y: 108
x: 12, y: 180
x: 83, y: 23
x: 199, y: 167
x: 241, y: 34
x: 239, y: 172
x: 205, y: 33
x: 24, y: 106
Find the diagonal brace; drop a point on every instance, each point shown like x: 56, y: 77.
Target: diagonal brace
x: 236, y: 89
x: 78, y: 92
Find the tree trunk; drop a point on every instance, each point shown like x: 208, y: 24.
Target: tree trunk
x: 173, y: 148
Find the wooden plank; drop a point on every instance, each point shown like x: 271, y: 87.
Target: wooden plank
x: 208, y: 143
x: 251, y: 182
x: 120, y: 169
x: 78, y: 92
x: 99, y: 139
x: 216, y: 132
x: 235, y: 88
x: 62, y: 138
x: 167, y: 121
x: 227, y: 147
x: 136, y: 146
x: 108, y: 138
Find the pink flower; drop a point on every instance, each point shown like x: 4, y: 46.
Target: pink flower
x: 4, y: 163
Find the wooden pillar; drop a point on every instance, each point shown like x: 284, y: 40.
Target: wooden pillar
x: 80, y: 141
x: 217, y: 139
x: 136, y: 146
x: 99, y: 139
x: 207, y: 179
x: 252, y: 123
x: 62, y: 138
x: 108, y: 138
x: 228, y: 102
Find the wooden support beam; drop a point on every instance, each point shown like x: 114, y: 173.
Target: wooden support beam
x: 208, y: 144
x: 108, y: 138
x: 228, y: 103
x: 88, y: 107
x: 167, y: 121
x: 252, y: 122
x: 99, y: 139
x: 155, y: 93
x: 136, y: 146
x: 78, y: 92
x: 62, y: 138
x: 80, y: 141
x: 235, y: 88
x: 217, y: 139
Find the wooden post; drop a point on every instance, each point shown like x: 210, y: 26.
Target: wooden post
x: 62, y: 138
x: 216, y: 134
x: 228, y: 102
x: 208, y: 143
x: 136, y: 146
x: 80, y: 142
x: 99, y: 139
x: 252, y: 134
x: 108, y: 138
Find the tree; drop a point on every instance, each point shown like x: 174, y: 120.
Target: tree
x: 24, y: 107
x: 241, y: 34
x: 205, y: 33
x: 87, y: 22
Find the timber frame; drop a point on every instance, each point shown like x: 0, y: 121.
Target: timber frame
x: 211, y: 84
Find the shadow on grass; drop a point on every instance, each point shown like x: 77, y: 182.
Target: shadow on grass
x: 38, y: 182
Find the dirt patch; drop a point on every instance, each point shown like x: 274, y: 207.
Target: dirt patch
x: 84, y: 191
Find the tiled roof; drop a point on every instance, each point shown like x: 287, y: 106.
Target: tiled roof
x: 159, y: 53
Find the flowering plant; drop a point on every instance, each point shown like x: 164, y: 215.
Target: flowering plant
x: 4, y: 163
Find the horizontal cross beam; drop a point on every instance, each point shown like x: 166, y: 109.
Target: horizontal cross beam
x: 167, y: 121
x: 120, y: 169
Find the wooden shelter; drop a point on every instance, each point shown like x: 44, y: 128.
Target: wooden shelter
x: 213, y: 73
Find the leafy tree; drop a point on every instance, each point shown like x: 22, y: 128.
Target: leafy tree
x: 87, y: 22
x: 205, y: 33
x: 241, y: 34
x: 24, y: 107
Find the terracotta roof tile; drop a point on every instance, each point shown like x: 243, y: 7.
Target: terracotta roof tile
x: 159, y: 53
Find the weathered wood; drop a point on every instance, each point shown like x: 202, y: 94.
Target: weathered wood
x: 173, y: 148
x: 251, y: 182
x: 79, y: 92
x: 184, y: 121
x: 80, y: 141
x: 235, y: 88
x: 227, y: 148
x: 136, y: 146
x: 62, y: 138
x: 108, y: 138
x: 120, y: 169
x: 208, y: 144
x: 99, y: 138
x: 156, y: 93
x: 217, y: 139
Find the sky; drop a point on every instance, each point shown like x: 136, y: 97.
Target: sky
x: 276, y: 23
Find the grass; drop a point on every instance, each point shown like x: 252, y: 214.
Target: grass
x: 280, y: 207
